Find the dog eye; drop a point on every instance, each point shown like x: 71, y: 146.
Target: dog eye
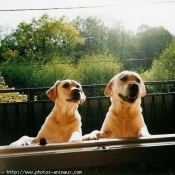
x: 77, y: 86
x: 124, y: 78
x: 66, y: 85
x: 137, y: 80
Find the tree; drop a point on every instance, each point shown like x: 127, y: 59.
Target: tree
x: 116, y: 39
x: 163, y: 68
x: 151, y: 43
x: 40, y: 41
x: 93, y: 31
x: 122, y: 44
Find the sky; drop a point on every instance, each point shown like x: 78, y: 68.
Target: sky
x: 132, y: 13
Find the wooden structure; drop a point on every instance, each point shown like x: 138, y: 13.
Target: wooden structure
x: 69, y: 157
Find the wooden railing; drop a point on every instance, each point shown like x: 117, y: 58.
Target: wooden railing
x: 72, y: 157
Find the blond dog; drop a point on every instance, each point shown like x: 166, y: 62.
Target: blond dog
x: 64, y: 122
x: 124, y: 118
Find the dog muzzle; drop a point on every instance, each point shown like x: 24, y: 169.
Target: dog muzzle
x: 133, y: 93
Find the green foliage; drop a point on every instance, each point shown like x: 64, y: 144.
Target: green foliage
x: 97, y: 69
x: 102, y: 39
x: 134, y: 51
x: 18, y: 75
x: 162, y: 69
x: 151, y: 43
x: 10, y: 97
x: 47, y: 74
x: 93, y: 31
x: 94, y: 69
x: 121, y: 42
x: 40, y: 41
x: 40, y: 52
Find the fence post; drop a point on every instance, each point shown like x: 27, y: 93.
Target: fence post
x: 29, y: 123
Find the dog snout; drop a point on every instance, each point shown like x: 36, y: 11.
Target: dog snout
x: 76, y: 93
x: 134, y: 88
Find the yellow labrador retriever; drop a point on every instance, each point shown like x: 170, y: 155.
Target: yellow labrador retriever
x: 64, y: 122
x: 124, y: 118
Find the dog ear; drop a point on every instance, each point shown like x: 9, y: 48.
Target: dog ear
x: 143, y: 90
x: 108, y: 90
x: 52, y: 92
x: 83, y: 98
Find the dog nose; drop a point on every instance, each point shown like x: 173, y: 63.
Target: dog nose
x: 76, y: 90
x: 134, y: 88
x: 76, y: 93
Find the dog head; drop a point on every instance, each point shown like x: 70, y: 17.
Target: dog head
x: 66, y: 91
x: 127, y: 86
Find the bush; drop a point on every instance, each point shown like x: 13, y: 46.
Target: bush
x: 97, y: 69
x: 10, y: 97
x: 18, y: 75
x: 94, y: 69
x: 46, y: 75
